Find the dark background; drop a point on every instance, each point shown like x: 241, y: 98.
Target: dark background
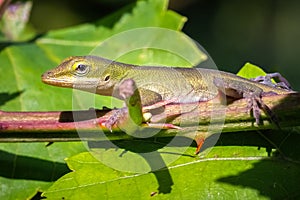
x: 263, y: 32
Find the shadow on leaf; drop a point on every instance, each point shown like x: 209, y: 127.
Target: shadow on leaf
x: 275, y: 179
x: 6, y: 97
x: 23, y: 167
x: 155, y: 160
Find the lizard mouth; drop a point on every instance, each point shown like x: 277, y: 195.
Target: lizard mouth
x: 49, y: 78
x: 57, y: 82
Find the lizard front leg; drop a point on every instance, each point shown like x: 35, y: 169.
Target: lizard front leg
x: 132, y: 117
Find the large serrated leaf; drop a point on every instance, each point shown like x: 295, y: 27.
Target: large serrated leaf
x: 225, y: 173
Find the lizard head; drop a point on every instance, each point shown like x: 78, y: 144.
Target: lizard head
x: 89, y: 73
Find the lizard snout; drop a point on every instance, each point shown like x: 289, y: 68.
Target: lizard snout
x: 47, y: 77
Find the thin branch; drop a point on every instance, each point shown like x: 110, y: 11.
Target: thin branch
x: 60, y: 126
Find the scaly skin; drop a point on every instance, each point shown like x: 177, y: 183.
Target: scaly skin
x: 180, y: 85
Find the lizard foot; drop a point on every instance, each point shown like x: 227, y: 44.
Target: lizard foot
x: 267, y: 80
x: 115, y: 118
x: 255, y: 104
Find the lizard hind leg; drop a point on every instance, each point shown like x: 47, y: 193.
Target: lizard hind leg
x: 267, y: 80
x: 237, y: 89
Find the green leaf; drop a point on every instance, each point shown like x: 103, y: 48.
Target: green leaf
x: 28, y: 168
x: 224, y: 173
x: 251, y: 71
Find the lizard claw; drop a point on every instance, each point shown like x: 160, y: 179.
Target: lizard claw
x: 255, y: 104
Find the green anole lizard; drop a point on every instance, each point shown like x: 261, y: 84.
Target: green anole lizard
x: 157, y: 84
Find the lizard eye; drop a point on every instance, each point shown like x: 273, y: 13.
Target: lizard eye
x: 107, y: 77
x: 81, y: 69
